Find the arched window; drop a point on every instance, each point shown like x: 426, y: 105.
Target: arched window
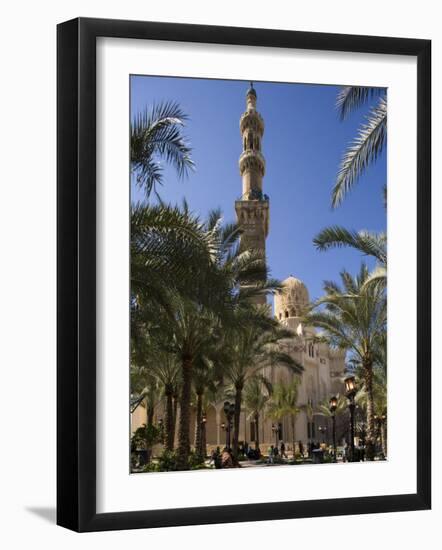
x: 280, y: 315
x: 286, y: 313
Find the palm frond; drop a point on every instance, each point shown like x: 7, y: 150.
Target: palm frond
x: 352, y: 97
x: 156, y: 134
x: 366, y: 242
x: 365, y: 149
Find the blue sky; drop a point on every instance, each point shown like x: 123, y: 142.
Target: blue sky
x: 303, y: 144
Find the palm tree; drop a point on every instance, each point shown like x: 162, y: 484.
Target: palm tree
x: 251, y: 351
x: 157, y: 133
x: 256, y: 395
x: 370, y: 139
x: 212, y: 298
x: 284, y: 402
x: 354, y: 318
x: 192, y: 328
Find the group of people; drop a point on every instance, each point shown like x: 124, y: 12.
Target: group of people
x: 225, y: 459
x: 276, y: 451
x: 222, y: 459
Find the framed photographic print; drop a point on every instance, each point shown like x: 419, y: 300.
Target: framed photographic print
x: 226, y: 350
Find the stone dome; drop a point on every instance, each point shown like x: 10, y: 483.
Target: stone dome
x: 292, y: 299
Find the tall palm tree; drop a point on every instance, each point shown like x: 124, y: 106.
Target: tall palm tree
x: 213, y: 298
x: 256, y: 395
x: 370, y: 139
x: 156, y: 133
x: 354, y: 318
x: 284, y: 403
x: 192, y: 328
x: 251, y: 351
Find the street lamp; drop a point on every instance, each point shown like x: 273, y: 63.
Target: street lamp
x: 350, y: 392
x: 333, y: 406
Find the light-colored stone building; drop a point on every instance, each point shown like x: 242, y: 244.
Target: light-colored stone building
x: 323, y: 367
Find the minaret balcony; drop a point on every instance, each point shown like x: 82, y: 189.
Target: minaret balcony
x: 251, y: 120
x: 251, y: 159
x: 253, y: 195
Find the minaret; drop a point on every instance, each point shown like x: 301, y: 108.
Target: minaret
x: 252, y: 209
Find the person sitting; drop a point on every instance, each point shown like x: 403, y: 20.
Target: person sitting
x: 226, y: 458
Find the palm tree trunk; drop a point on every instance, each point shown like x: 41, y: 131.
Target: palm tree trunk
x: 293, y: 419
x: 238, y: 399
x: 150, y: 413
x: 184, y: 424
x: 257, y: 431
x: 370, y: 441
x: 384, y: 438
x: 198, y: 424
x: 175, y: 411
x: 169, y: 418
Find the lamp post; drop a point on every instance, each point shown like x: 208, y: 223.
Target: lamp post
x: 223, y: 427
x: 333, y: 407
x: 350, y: 392
x: 203, y: 435
x: 229, y: 411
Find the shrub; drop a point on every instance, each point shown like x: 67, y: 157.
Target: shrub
x: 151, y: 467
x: 195, y: 460
x: 145, y: 437
x: 167, y: 462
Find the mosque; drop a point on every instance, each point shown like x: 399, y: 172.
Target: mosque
x: 323, y: 367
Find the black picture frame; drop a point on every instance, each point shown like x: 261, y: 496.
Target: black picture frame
x: 76, y: 274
